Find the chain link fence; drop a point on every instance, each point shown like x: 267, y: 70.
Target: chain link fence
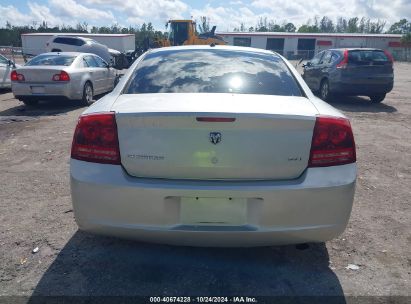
x: 403, y: 54
x: 14, y: 53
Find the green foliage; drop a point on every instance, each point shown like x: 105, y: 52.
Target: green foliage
x: 343, y: 25
x: 265, y: 25
x: 401, y: 27
x: 406, y: 39
x: 289, y: 27
x: 324, y: 25
x: 203, y: 25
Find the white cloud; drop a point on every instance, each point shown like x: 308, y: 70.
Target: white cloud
x: 13, y: 15
x: 71, y: 9
x: 137, y: 12
x: 225, y: 14
x: 299, y: 11
x: 57, y: 12
x: 226, y: 18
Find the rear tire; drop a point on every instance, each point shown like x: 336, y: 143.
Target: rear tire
x: 377, y: 98
x: 325, y: 90
x: 87, y: 94
x: 30, y: 102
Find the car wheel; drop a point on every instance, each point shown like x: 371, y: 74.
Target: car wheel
x: 30, y: 102
x: 325, y: 90
x: 87, y: 94
x: 377, y: 98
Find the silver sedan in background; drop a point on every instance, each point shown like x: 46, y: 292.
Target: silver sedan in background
x: 68, y: 75
x: 6, y: 66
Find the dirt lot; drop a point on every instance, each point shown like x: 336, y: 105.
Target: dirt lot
x: 36, y: 211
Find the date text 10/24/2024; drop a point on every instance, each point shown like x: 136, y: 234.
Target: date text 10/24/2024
x: 203, y: 300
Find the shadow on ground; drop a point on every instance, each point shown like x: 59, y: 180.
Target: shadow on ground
x: 360, y: 104
x: 44, y: 108
x: 95, y: 266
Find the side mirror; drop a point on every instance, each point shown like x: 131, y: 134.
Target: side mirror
x: 307, y: 64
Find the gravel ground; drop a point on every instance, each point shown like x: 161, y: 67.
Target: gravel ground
x: 36, y: 211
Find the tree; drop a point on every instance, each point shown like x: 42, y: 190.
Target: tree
x: 352, y: 25
x: 326, y: 25
x: 262, y: 25
x: 307, y: 28
x: 290, y: 27
x: 406, y: 38
x: 377, y: 27
x: 204, y: 25
x: 406, y: 42
x: 341, y: 25
x: 310, y: 27
x: 401, y: 27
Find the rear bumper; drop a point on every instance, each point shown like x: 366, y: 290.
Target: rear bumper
x: 348, y: 88
x: 51, y: 90
x: 314, y: 208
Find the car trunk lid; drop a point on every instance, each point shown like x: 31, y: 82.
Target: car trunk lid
x: 214, y: 136
x: 368, y: 67
x: 40, y: 74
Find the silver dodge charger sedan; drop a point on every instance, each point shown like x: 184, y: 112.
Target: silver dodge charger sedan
x: 213, y: 146
x: 69, y: 75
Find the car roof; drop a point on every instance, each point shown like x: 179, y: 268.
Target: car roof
x: 211, y: 47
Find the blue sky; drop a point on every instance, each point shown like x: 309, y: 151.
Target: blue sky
x: 226, y: 14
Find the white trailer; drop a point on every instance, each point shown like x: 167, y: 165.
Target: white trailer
x: 35, y: 43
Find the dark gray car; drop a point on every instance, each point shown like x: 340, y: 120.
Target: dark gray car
x: 367, y: 72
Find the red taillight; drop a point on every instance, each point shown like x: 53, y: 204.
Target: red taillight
x: 95, y: 139
x: 333, y: 143
x: 14, y: 76
x: 344, y: 61
x: 389, y: 56
x: 63, y: 76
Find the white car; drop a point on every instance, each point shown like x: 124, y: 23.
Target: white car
x: 6, y: 66
x: 82, y: 45
x: 213, y: 146
x: 65, y: 75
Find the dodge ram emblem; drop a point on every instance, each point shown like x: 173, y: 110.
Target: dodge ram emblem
x: 215, y: 137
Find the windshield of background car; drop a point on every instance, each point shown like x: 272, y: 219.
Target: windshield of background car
x: 213, y: 71
x: 365, y: 57
x: 65, y: 60
x: 3, y: 60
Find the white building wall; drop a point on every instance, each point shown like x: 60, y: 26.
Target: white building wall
x: 259, y: 42
x: 290, y: 45
x: 342, y: 41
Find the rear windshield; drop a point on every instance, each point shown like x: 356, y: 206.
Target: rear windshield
x: 213, y: 71
x: 65, y: 60
x: 365, y: 57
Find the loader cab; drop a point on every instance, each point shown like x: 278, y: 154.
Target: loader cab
x: 180, y: 31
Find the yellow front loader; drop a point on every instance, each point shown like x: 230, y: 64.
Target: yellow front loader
x: 183, y: 32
